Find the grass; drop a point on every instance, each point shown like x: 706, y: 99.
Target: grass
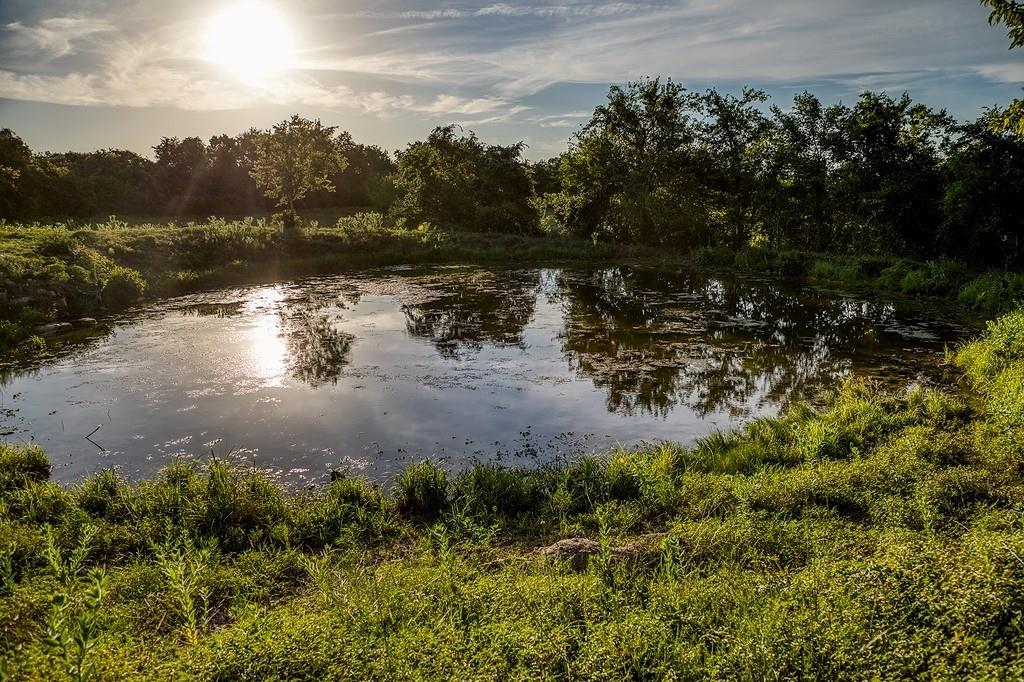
x: 879, y: 536
x: 989, y: 292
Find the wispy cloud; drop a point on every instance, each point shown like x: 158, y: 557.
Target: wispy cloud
x: 141, y: 85
x: 58, y: 36
x: 525, y: 10
x: 1007, y: 72
x: 516, y: 67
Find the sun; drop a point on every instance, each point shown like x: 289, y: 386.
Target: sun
x: 251, y: 40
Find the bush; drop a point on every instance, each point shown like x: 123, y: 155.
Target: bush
x: 347, y: 512
x: 123, y: 286
x: 714, y: 256
x: 993, y: 291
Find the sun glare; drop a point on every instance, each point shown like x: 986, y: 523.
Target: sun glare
x: 251, y: 40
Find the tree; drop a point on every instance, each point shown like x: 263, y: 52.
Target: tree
x: 366, y: 165
x: 105, y: 182
x: 455, y: 180
x: 1010, y: 13
x: 731, y: 133
x: 983, y: 215
x: 15, y: 161
x: 630, y: 173
x: 228, y: 185
x: 793, y: 201
x: 294, y: 158
x: 181, y: 167
x: 888, y: 184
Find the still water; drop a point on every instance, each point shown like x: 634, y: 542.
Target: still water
x: 368, y: 371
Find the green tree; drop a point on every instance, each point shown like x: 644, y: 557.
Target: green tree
x: 229, y: 187
x: 983, y: 215
x: 294, y: 158
x: 367, y: 164
x: 794, y: 202
x: 15, y: 161
x: 105, y: 182
x: 732, y: 133
x: 630, y: 173
x: 455, y: 180
x: 888, y: 185
x: 1010, y: 13
x: 181, y: 167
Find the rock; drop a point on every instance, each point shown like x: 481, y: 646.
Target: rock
x: 52, y: 328
x: 86, y: 322
x: 577, y: 551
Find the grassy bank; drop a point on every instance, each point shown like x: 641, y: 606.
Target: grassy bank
x: 54, y: 273
x: 989, y: 291
x: 877, y: 537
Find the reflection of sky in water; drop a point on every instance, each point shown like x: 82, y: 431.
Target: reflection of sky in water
x: 368, y: 371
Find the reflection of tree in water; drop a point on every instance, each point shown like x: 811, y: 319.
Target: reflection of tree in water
x: 66, y: 347
x: 655, y: 340
x: 474, y: 309
x: 317, y: 352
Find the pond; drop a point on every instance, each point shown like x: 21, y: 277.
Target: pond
x: 368, y: 371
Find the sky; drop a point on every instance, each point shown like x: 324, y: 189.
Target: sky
x: 88, y: 74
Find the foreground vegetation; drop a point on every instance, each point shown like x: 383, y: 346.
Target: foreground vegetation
x: 877, y: 537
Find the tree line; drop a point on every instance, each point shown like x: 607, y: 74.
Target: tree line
x: 660, y: 165
x: 186, y: 177
x: 656, y: 164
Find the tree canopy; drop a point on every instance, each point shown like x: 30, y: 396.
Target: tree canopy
x: 294, y: 158
x: 452, y: 178
x: 1010, y: 13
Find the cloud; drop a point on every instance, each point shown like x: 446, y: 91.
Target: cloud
x: 139, y: 84
x: 57, y: 36
x: 526, y: 10
x: 517, y: 65
x: 1006, y: 72
x: 568, y: 119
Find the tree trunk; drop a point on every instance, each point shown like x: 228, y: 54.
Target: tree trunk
x: 290, y: 226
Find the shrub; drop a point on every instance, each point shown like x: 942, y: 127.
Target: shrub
x: 714, y: 256
x: 105, y: 496
x: 992, y: 291
x: 348, y: 511
x: 123, y: 286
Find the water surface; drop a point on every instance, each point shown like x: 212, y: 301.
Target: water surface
x: 368, y: 371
